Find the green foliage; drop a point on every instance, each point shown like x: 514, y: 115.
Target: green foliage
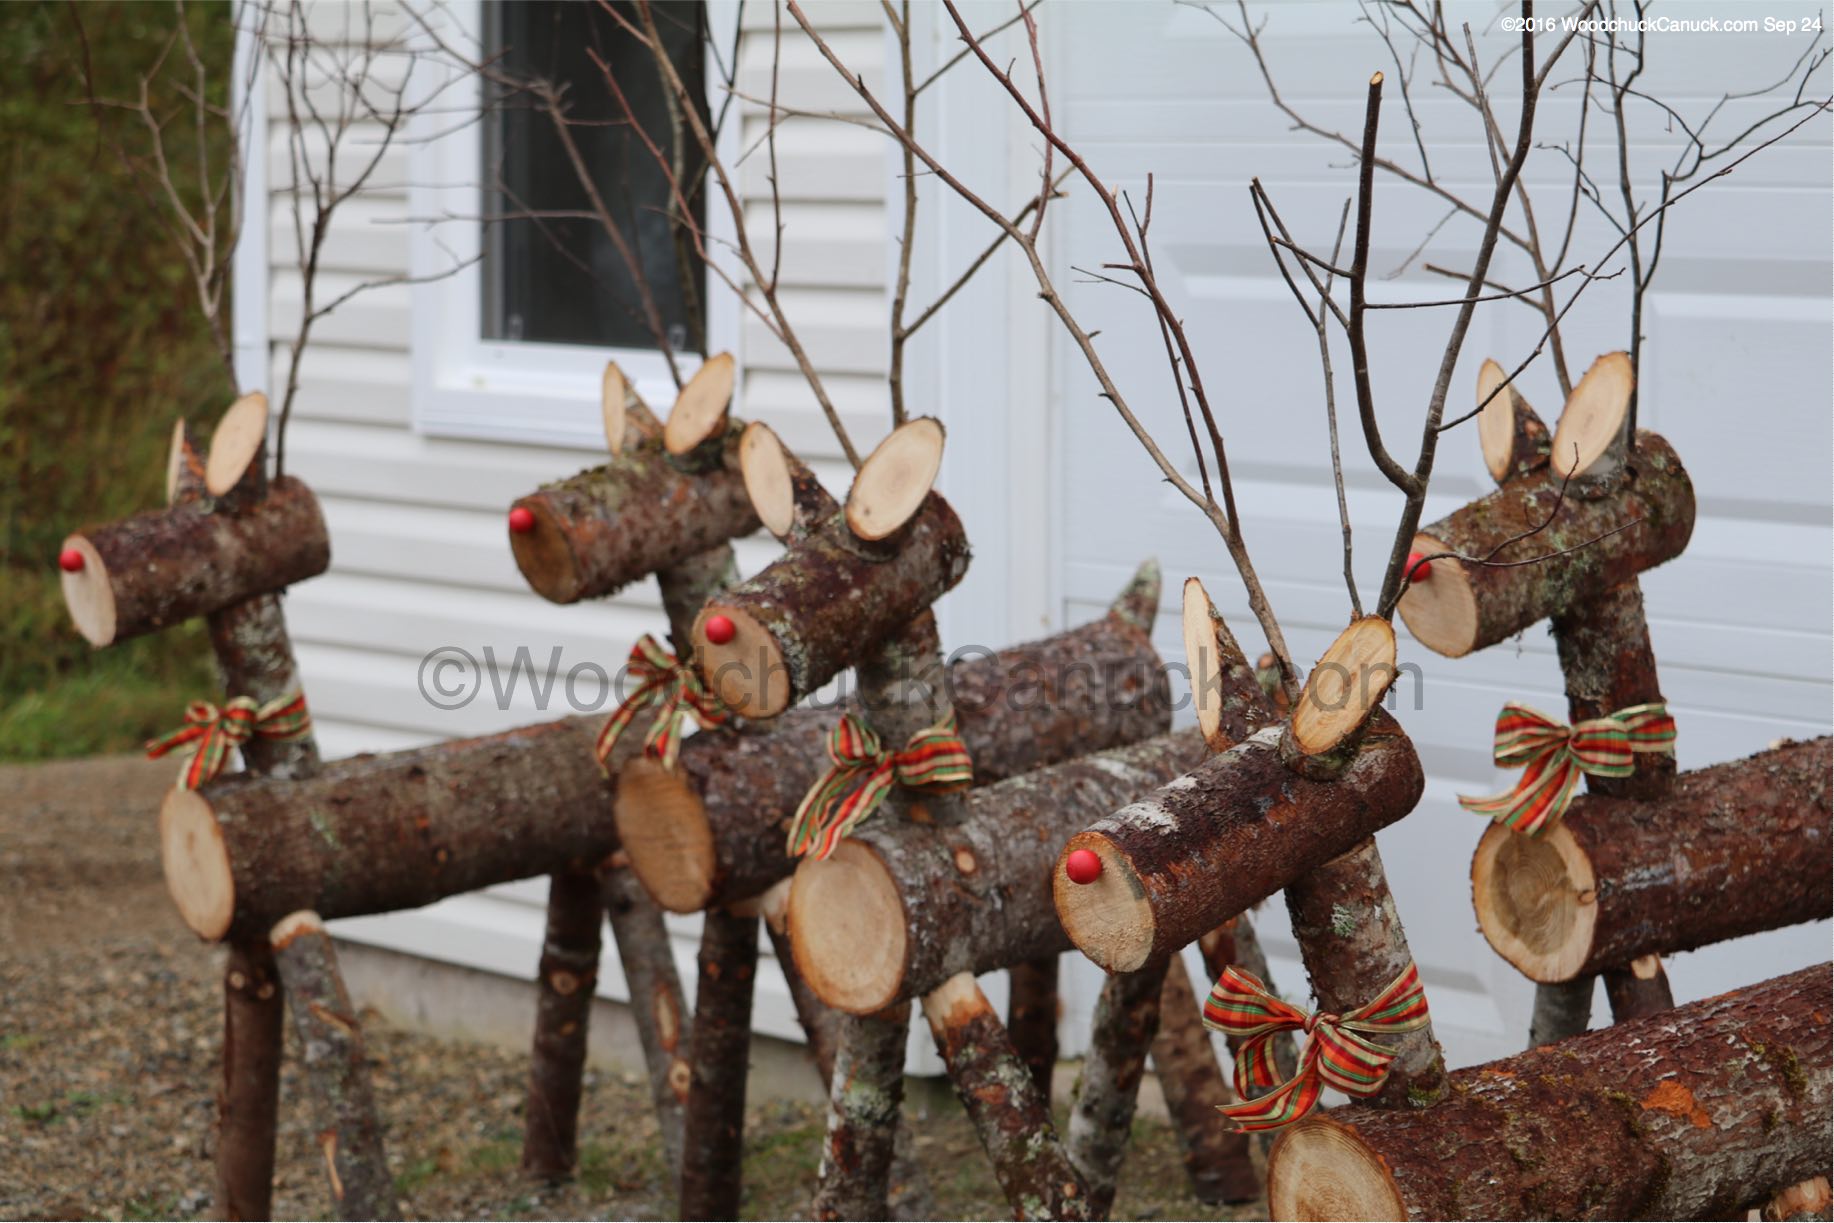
x: 102, y: 346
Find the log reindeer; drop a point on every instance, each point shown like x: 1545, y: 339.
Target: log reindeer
x: 227, y: 545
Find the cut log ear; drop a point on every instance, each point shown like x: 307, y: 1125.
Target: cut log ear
x: 1138, y: 602
x: 1590, y: 439
x: 625, y: 414
x: 1224, y: 689
x: 238, y: 442
x: 1349, y: 681
x: 184, y: 466
x: 895, y: 478
x: 1511, y: 436
x: 788, y: 498
x: 700, y: 410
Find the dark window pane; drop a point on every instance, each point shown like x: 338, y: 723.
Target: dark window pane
x: 563, y: 281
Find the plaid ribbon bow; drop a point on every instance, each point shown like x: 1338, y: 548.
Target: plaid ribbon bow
x: 1555, y: 755
x: 671, y: 684
x: 934, y: 758
x: 1335, y: 1056
x: 210, y: 732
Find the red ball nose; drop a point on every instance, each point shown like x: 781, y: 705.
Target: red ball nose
x: 719, y: 629
x: 1418, y: 567
x: 522, y: 520
x: 70, y: 560
x: 1082, y: 866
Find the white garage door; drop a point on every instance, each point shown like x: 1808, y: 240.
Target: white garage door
x: 1736, y: 375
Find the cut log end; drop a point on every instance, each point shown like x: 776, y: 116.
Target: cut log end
x: 88, y: 595
x: 1204, y: 660
x: 1534, y: 903
x: 663, y: 827
x: 544, y: 553
x: 612, y: 389
x: 184, y: 469
x: 1591, y: 429
x: 198, y: 873
x: 1349, y: 681
x: 746, y: 670
x: 1509, y: 432
x: 847, y: 928
x: 236, y: 443
x: 700, y: 410
x: 766, y: 468
x: 1108, y: 918
x: 895, y: 478
x: 954, y: 1003
x: 1441, y: 611
x: 293, y: 925
x: 1325, y: 1173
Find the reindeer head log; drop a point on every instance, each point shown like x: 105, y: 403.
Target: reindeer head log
x: 1588, y: 546
x: 162, y: 567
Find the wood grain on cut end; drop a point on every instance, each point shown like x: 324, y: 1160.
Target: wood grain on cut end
x: 1441, y: 610
x: 1347, y: 683
x: 1109, y: 919
x: 746, y: 672
x: 895, y: 478
x: 1535, y: 900
x: 700, y: 410
x: 235, y: 444
x: 955, y: 1002
x: 184, y: 466
x: 847, y: 926
x: 765, y: 466
x: 663, y: 827
x: 290, y: 927
x: 88, y: 594
x: 1592, y: 424
x: 544, y: 554
x: 196, y: 863
x: 624, y: 415
x: 1318, y: 1170
x: 1509, y: 433
x: 1205, y: 661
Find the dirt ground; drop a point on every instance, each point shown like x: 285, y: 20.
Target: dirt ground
x: 109, y: 1026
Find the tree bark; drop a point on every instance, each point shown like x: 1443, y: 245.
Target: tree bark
x: 713, y: 831
x: 1226, y: 835
x: 816, y: 610
x: 1734, y: 849
x: 656, y: 1004
x: 1216, y: 1158
x: 163, y: 567
x: 865, y: 1099
x: 350, y: 1133
x: 1351, y: 937
x: 1561, y: 1011
x: 1108, y: 1089
x: 1011, y: 1116
x: 248, y: 1097
x: 1031, y: 1017
x: 374, y: 834
x: 565, y: 983
x: 719, y: 1058
x: 1464, y: 606
x: 1639, y: 990
x: 1687, y: 1115
x: 926, y: 903
x: 639, y: 513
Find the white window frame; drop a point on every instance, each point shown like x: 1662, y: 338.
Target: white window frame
x: 465, y: 386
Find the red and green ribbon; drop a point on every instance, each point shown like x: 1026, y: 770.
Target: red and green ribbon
x: 675, y: 688
x: 1553, y: 756
x: 863, y: 773
x: 210, y: 732
x: 1337, y: 1055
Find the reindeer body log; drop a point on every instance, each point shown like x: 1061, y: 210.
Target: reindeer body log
x: 804, y: 619
x: 1731, y: 850
x: 713, y: 831
x: 926, y: 903
x: 162, y: 567
x: 641, y: 512
x: 1691, y: 1114
x: 1230, y: 833
x: 374, y: 834
x: 1589, y: 546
